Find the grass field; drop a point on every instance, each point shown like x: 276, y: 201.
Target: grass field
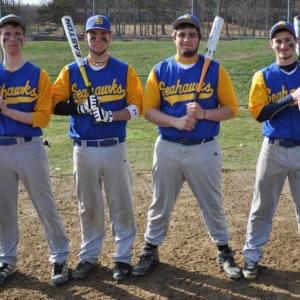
x: 240, y: 138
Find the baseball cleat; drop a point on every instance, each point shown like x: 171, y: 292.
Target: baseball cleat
x: 226, y: 261
x: 6, y: 270
x: 83, y: 269
x: 148, y: 259
x: 250, y: 270
x: 121, y: 271
x: 60, y: 273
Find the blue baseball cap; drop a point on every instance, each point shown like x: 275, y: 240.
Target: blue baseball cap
x: 187, y: 19
x: 98, y: 22
x: 282, y: 25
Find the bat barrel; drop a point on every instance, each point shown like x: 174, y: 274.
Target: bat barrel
x: 297, y: 31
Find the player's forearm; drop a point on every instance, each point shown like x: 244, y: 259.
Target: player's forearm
x: 271, y: 110
x: 121, y: 115
x: 159, y: 118
x: 23, y: 117
x: 65, y: 109
x: 222, y: 113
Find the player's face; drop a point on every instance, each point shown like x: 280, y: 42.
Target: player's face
x: 12, y: 39
x: 284, y: 43
x: 187, y: 41
x: 98, y: 41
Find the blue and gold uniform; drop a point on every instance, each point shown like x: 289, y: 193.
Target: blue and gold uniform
x: 100, y: 153
x: 271, y: 102
x: 26, y: 103
x: 187, y: 148
x: 269, y: 86
x: 170, y: 87
x: 117, y: 87
x: 28, y: 90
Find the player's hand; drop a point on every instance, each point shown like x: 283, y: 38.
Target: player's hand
x: 3, y: 107
x: 186, y: 122
x: 195, y: 110
x: 86, y: 107
x: 296, y: 97
x: 101, y: 115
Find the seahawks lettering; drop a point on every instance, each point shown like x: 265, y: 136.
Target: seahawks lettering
x: 182, y: 92
x: 277, y: 96
x: 19, y: 91
x: 111, y: 92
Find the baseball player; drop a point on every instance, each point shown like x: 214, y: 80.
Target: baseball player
x: 187, y: 148
x: 273, y: 100
x: 25, y: 105
x: 98, y: 129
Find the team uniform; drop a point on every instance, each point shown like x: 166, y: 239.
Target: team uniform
x: 23, y: 158
x: 181, y: 155
x: 100, y: 155
x: 194, y: 156
x: 279, y: 157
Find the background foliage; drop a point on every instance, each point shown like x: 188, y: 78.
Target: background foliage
x: 142, y: 18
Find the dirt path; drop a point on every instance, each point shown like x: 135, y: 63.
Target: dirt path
x: 187, y: 270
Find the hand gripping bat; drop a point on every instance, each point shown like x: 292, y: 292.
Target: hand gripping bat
x: 297, y: 31
x: 210, y: 49
x: 75, y: 47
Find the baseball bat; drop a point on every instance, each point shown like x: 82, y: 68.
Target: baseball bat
x: 71, y: 34
x: 297, y: 31
x: 212, y: 42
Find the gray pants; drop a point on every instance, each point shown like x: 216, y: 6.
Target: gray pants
x: 108, y: 166
x: 200, y: 165
x: 275, y: 164
x: 28, y: 163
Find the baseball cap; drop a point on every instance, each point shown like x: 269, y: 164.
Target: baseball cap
x: 187, y: 19
x: 282, y: 25
x: 98, y: 22
x: 14, y: 19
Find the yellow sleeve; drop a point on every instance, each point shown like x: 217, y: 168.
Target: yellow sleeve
x: 151, y: 97
x: 134, y: 90
x: 258, y: 96
x: 226, y: 93
x: 61, y: 88
x: 42, y: 110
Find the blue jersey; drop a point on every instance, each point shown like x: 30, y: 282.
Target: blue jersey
x: 170, y: 87
x: 28, y: 90
x: 110, y: 84
x: 270, y: 85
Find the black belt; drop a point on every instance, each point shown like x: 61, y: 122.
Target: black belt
x: 286, y: 143
x: 98, y: 143
x: 14, y: 140
x: 186, y: 141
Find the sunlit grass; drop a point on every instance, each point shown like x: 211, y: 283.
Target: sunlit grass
x: 240, y: 138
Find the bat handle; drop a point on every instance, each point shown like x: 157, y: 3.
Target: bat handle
x: 89, y: 89
x: 202, y: 77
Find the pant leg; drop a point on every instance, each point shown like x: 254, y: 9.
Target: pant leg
x: 9, y: 232
x: 167, y: 179
x: 294, y: 179
x: 118, y: 188
x: 202, y: 170
x: 32, y: 166
x: 271, y: 173
x: 88, y: 181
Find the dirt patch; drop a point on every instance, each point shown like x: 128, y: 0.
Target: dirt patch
x: 188, y: 269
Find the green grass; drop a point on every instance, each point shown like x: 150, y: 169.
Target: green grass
x: 240, y: 138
